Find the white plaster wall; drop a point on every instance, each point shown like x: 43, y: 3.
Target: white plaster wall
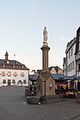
x: 53, y: 71
x: 17, y: 78
x: 70, y: 60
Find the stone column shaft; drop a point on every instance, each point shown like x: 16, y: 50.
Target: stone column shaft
x: 45, y: 61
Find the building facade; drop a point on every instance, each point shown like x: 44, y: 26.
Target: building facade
x: 77, y: 52
x: 13, y: 73
x: 55, y: 70
x: 71, y: 63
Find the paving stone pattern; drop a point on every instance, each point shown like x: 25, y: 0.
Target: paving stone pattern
x: 13, y: 106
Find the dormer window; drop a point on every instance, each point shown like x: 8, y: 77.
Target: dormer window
x: 22, y: 66
x: 13, y: 66
x: 3, y: 65
x: 7, y: 62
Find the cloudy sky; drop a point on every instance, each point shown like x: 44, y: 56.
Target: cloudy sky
x: 21, y: 29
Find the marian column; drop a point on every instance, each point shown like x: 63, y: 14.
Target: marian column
x: 45, y: 49
x: 44, y: 80
x: 44, y: 75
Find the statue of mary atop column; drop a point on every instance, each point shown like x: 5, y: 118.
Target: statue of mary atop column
x: 45, y: 36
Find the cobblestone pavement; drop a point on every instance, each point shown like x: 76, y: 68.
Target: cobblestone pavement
x: 14, y: 107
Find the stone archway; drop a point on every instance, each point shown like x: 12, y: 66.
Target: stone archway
x: 19, y: 83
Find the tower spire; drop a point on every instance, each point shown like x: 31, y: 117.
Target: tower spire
x: 6, y: 56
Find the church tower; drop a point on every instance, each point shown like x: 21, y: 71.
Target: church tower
x: 45, y: 49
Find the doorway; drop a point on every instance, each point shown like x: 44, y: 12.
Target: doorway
x: 9, y: 82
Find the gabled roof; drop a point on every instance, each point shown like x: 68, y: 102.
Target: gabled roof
x: 12, y: 64
x: 55, y: 67
x: 70, y: 44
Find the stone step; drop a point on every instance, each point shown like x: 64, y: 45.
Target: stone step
x: 54, y: 98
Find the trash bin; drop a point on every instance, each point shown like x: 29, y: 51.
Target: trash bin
x: 27, y: 92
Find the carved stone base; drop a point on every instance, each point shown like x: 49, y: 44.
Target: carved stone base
x: 46, y: 83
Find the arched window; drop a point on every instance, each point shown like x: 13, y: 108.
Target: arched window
x: 19, y: 83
